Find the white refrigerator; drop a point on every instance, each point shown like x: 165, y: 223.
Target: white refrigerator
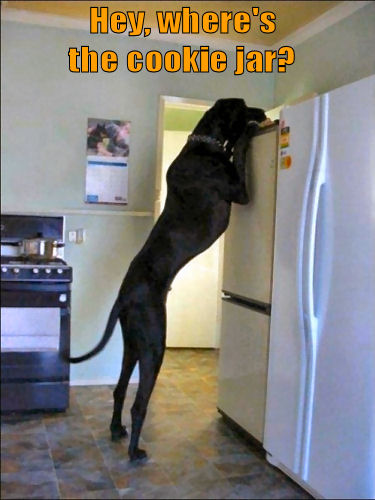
x: 320, y: 407
x: 247, y: 275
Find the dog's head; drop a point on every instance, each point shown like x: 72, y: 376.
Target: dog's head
x: 229, y: 118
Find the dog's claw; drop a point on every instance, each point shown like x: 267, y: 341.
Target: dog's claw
x: 119, y: 433
x: 137, y: 454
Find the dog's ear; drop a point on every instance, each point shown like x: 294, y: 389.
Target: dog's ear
x: 230, y: 117
x: 228, y: 107
x: 256, y: 114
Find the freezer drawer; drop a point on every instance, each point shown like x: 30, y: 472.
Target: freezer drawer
x: 243, y: 366
x: 248, y: 251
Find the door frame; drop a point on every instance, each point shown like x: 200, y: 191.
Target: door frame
x: 180, y: 102
x: 188, y: 103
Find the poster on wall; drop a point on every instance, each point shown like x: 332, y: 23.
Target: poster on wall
x: 107, y: 161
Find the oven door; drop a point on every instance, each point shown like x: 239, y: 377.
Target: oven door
x: 35, y: 331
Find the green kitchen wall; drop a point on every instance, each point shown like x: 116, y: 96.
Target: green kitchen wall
x: 175, y: 119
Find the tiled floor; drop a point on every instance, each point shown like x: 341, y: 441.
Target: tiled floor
x: 193, y: 453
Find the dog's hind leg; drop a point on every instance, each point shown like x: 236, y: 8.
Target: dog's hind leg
x: 149, y: 366
x: 130, y: 358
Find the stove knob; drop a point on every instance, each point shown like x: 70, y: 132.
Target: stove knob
x: 35, y: 270
x: 48, y: 271
x: 16, y: 270
x: 60, y: 271
x: 4, y: 269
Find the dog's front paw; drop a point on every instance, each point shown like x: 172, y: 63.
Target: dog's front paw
x: 251, y: 129
x: 137, y: 454
x: 118, y: 432
x: 243, y: 199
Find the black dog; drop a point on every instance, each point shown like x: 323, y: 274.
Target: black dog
x: 206, y: 177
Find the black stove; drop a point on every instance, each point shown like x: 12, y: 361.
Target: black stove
x: 35, y: 317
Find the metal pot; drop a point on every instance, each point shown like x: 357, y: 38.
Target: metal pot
x: 40, y: 248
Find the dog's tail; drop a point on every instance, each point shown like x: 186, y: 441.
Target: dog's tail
x: 113, y: 316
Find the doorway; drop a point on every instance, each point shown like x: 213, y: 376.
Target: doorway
x: 194, y: 303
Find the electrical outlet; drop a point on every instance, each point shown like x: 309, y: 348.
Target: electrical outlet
x: 72, y: 236
x: 80, y: 235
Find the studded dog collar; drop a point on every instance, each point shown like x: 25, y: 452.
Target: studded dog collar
x: 207, y: 140
x: 211, y: 140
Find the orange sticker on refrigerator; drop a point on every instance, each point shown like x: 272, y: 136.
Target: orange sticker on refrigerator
x: 286, y: 161
x: 284, y: 137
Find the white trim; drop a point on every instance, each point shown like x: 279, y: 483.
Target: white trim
x: 30, y: 17
x: 41, y: 19
x: 332, y: 16
x: 69, y: 211
x: 101, y: 381
x: 185, y: 103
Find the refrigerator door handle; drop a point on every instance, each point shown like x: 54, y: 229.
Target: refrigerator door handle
x: 320, y: 239
x: 309, y: 309
x: 309, y: 264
